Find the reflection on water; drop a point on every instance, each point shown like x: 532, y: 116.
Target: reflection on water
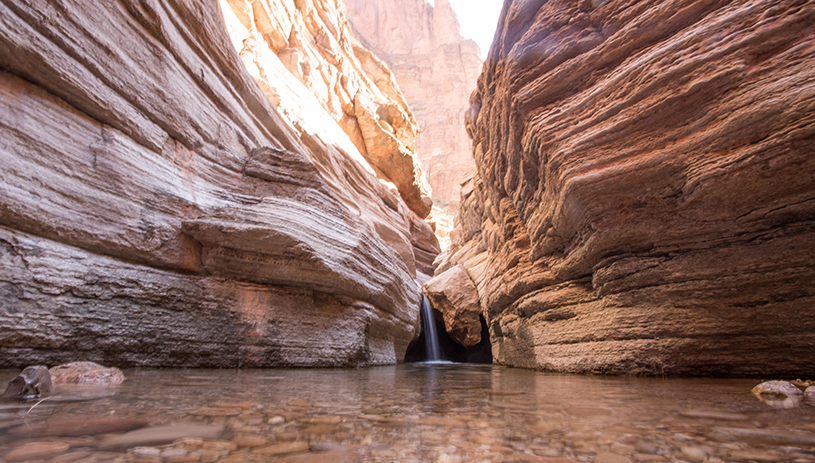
x: 421, y: 413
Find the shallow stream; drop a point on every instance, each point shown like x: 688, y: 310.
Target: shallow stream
x: 418, y: 413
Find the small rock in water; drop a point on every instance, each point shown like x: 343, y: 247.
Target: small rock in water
x: 809, y: 393
x: 284, y: 448
x: 714, y: 415
x: 694, y: 453
x: 159, y: 435
x: 36, y: 451
x: 32, y: 382
x: 608, y: 457
x: 338, y: 456
x: 75, y: 426
x: 779, y: 389
x: 86, y: 373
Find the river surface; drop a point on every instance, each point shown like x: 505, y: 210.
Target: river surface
x: 405, y: 413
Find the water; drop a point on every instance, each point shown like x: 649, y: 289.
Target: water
x: 431, y: 338
x: 417, y: 413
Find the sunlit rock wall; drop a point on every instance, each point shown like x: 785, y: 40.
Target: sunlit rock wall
x: 157, y: 210
x: 645, y: 193
x: 436, y: 69
x: 297, y: 47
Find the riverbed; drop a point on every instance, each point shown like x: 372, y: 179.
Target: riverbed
x: 405, y: 413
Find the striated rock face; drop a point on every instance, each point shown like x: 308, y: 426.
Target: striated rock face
x: 437, y: 70
x: 157, y: 210
x: 305, y: 46
x: 645, y: 194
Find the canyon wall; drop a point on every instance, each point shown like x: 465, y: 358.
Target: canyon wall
x: 166, y: 203
x: 644, y: 200
x: 436, y: 69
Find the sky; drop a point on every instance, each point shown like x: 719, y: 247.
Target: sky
x: 478, y: 19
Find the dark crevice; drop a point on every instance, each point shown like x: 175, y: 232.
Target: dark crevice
x: 450, y: 349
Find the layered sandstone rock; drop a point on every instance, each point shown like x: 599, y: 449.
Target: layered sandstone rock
x: 645, y: 194
x: 436, y: 69
x: 454, y: 295
x: 157, y: 210
x: 297, y: 47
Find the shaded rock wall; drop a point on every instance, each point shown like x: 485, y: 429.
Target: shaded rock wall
x: 436, y: 69
x: 157, y: 210
x: 645, y: 193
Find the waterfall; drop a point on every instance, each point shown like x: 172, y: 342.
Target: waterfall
x: 431, y: 339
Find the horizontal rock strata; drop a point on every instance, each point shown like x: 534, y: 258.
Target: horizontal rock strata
x: 157, y: 210
x: 645, y: 193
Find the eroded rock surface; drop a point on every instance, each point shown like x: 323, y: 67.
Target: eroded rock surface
x: 454, y: 295
x: 86, y: 373
x: 645, y: 194
x: 303, y: 48
x: 157, y: 209
x: 436, y: 69
x: 31, y: 383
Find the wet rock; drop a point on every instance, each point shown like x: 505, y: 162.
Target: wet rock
x: 755, y: 455
x: 32, y: 382
x: 146, y: 451
x: 543, y: 427
x: 608, y: 457
x: 779, y: 394
x: 713, y: 415
x: 78, y: 425
x: 646, y: 447
x: 780, y: 389
x: 694, y: 453
x: 336, y: 456
x: 250, y: 440
x: 36, y: 451
x: 763, y: 436
x: 456, y: 297
x: 809, y: 393
x: 283, y: 448
x: 86, y: 373
x: 159, y: 435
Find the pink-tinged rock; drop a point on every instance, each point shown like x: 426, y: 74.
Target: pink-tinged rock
x: 168, y: 200
x: 32, y: 451
x: 456, y: 297
x: 86, y: 373
x: 436, y: 69
x: 78, y: 425
x: 311, y: 67
x: 781, y: 389
x: 645, y: 187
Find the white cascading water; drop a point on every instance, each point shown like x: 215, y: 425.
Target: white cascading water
x: 431, y: 339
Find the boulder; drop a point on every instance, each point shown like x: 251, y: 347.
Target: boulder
x: 780, y: 389
x: 31, y: 383
x: 86, y: 373
x: 454, y: 295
